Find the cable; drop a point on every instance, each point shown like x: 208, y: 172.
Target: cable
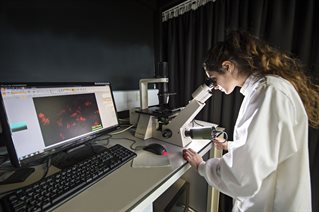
x: 121, y: 131
x: 92, y: 148
x: 226, y: 136
x: 221, y: 132
x: 47, y: 168
x: 102, y: 138
x: 131, y: 146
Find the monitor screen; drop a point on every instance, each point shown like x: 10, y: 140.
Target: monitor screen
x: 40, y: 119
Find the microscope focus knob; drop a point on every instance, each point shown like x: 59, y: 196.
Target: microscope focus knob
x: 167, y: 133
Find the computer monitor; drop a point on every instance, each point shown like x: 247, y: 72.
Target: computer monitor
x: 40, y: 119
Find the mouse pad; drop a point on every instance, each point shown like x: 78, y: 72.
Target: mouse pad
x: 147, y: 159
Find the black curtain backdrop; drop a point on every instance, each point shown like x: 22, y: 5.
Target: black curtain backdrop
x: 292, y: 26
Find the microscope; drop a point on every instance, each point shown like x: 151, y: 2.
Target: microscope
x: 172, y: 126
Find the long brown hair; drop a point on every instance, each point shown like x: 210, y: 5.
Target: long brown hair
x: 252, y: 55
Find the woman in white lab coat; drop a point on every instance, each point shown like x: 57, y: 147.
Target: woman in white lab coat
x: 266, y: 167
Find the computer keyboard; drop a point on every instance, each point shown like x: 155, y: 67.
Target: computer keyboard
x: 59, y: 187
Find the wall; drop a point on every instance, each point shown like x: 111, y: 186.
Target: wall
x: 77, y: 40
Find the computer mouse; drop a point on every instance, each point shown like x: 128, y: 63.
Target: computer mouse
x: 156, y: 149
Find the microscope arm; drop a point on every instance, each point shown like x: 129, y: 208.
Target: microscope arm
x: 144, y: 89
x: 174, y: 132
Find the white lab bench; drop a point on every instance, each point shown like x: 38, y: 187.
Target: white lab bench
x: 135, y: 189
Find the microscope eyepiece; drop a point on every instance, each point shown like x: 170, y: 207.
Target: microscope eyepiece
x: 210, y: 82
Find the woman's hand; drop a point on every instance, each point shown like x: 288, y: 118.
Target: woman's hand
x: 192, y: 157
x: 220, y: 143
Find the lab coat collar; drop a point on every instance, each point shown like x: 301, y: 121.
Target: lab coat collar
x: 249, y: 84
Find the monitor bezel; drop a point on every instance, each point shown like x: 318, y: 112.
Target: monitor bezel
x: 63, y: 147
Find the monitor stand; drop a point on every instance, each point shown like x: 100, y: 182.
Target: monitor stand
x: 3, y: 150
x: 19, y: 175
x: 66, y: 159
x: 3, y: 154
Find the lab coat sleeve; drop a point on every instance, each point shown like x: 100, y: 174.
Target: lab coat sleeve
x: 266, y: 138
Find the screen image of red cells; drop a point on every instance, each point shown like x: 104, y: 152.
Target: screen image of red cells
x: 68, y: 116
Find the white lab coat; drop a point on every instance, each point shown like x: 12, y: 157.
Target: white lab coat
x: 266, y: 167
